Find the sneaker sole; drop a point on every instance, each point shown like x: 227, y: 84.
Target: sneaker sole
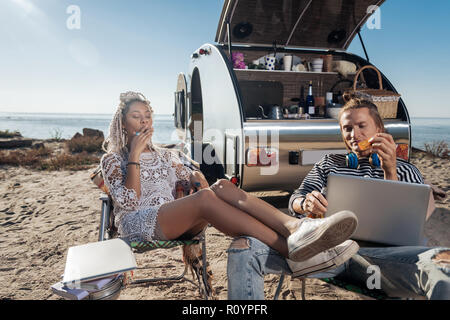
x: 335, y: 262
x: 327, y: 236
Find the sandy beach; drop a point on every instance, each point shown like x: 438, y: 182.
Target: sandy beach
x: 43, y: 213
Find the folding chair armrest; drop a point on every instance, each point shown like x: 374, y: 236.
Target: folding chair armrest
x: 105, y: 216
x: 104, y: 197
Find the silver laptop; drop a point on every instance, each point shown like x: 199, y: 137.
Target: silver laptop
x: 389, y: 212
x: 97, y: 260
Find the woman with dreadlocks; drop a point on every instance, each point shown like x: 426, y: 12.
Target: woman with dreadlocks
x: 142, y: 179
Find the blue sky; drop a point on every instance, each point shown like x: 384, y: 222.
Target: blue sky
x: 142, y: 45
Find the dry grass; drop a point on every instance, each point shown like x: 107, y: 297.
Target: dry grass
x: 81, y: 161
x: 44, y: 159
x: 437, y: 149
x: 81, y: 153
x: 29, y: 157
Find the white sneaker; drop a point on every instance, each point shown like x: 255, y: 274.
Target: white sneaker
x: 316, y: 235
x: 325, y: 260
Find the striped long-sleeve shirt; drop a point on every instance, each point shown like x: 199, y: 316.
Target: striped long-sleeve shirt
x: 335, y: 163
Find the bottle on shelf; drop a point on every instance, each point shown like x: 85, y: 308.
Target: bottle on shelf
x: 310, y: 108
x: 328, y: 101
x: 302, y: 101
x: 337, y: 97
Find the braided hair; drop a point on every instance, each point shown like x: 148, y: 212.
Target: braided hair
x: 117, y: 139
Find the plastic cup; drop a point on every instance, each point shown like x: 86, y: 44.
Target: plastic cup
x: 287, y: 62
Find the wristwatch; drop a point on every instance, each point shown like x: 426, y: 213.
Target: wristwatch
x: 302, y: 200
x: 301, y: 204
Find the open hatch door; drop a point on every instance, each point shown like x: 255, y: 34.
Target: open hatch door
x: 318, y: 24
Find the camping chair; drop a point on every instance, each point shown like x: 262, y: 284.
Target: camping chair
x: 198, y: 266
x: 107, y: 231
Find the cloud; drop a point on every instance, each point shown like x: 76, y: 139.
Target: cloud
x: 28, y: 8
x: 25, y: 17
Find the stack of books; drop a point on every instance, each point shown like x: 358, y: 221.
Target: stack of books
x: 92, y: 267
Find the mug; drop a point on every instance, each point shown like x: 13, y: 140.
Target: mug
x: 317, y: 65
x: 328, y: 63
x: 287, y: 62
x: 270, y: 63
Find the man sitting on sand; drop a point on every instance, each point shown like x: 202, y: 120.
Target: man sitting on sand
x: 405, y: 271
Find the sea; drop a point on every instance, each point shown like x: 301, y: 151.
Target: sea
x: 65, y: 125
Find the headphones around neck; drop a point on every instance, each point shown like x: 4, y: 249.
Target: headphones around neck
x: 351, y: 160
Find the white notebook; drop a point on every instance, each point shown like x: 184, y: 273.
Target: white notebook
x: 97, y: 260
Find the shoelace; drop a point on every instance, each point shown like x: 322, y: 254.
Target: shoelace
x: 310, y: 224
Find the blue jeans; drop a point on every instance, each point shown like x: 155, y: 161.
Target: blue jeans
x: 405, y: 271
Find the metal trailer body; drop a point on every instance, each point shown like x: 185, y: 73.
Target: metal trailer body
x: 211, y: 120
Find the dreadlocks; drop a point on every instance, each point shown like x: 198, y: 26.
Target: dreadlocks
x: 117, y: 138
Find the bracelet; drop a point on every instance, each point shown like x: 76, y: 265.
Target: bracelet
x: 135, y: 163
x: 302, y: 202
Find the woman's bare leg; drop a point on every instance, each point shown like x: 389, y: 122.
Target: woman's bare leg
x: 182, y: 215
x: 261, y: 210
x: 195, y: 230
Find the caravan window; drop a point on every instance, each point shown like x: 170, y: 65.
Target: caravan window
x: 180, y: 109
x: 260, y: 93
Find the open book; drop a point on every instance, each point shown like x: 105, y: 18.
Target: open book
x: 97, y: 260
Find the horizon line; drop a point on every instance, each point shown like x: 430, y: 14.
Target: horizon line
x: 160, y: 114
x: 85, y: 113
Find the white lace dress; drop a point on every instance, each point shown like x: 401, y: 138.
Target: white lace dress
x: 160, y: 170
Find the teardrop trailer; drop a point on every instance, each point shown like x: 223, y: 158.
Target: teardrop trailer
x: 218, y: 104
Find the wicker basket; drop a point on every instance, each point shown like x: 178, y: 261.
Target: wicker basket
x: 386, y: 101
